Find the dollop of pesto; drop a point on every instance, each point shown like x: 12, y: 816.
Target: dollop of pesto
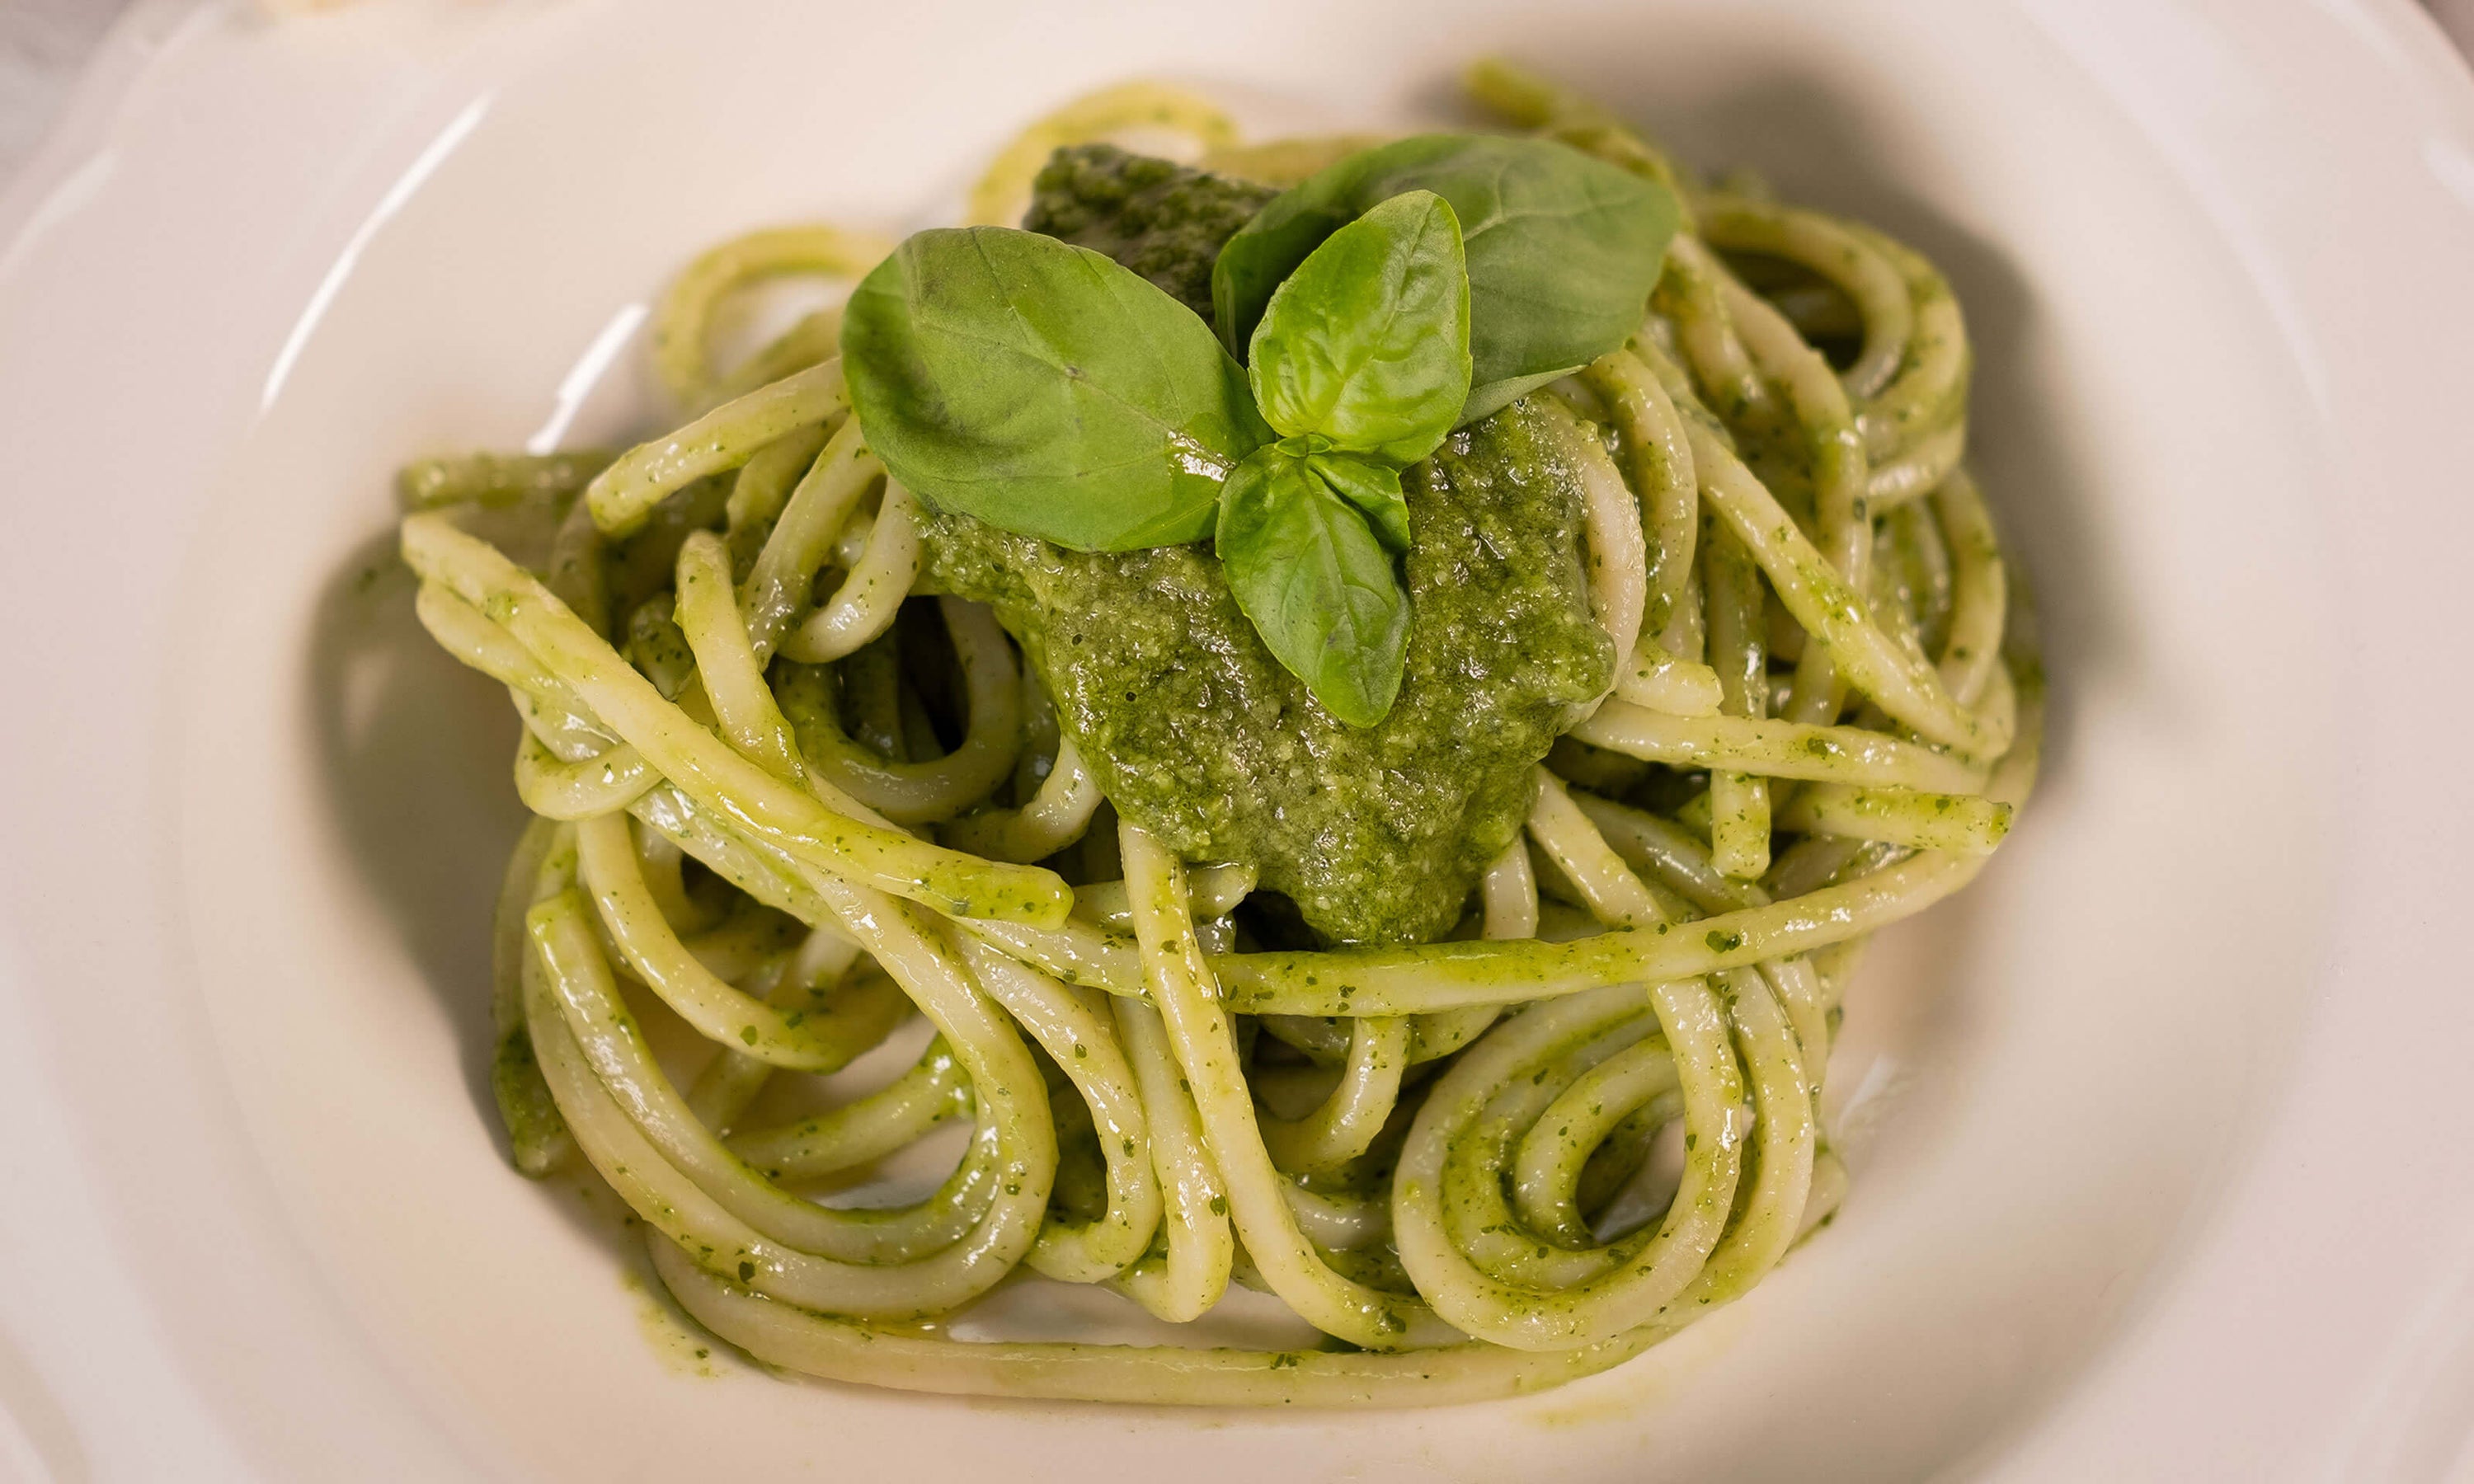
x: 1198, y: 735
x: 1160, y: 220
x: 1194, y: 731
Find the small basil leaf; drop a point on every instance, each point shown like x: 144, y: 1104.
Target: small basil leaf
x: 1367, y: 344
x: 1495, y: 396
x: 1252, y: 263
x: 1045, y: 390
x: 1563, y: 250
x: 1374, y: 488
x: 1319, y: 589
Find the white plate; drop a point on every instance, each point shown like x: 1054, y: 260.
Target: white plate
x: 2159, y: 1133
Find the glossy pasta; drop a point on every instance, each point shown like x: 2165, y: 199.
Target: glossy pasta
x: 1446, y: 1158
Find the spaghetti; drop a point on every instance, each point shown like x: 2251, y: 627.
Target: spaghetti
x: 1446, y: 1156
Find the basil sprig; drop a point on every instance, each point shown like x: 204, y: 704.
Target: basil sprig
x: 1361, y: 362
x: 1046, y: 389
x: 1562, y: 249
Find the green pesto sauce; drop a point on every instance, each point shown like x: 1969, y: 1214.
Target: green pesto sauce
x: 1197, y: 733
x: 1193, y: 730
x: 1160, y: 219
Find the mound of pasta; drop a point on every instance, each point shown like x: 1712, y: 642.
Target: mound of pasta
x: 1359, y: 699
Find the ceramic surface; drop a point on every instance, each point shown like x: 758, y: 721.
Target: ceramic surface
x: 2156, y: 1132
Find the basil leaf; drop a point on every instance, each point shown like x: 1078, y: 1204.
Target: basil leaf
x: 1563, y: 250
x: 1374, y: 488
x: 1367, y: 344
x: 1317, y: 585
x: 1045, y: 390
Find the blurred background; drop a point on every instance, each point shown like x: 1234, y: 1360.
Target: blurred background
x: 44, y: 44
